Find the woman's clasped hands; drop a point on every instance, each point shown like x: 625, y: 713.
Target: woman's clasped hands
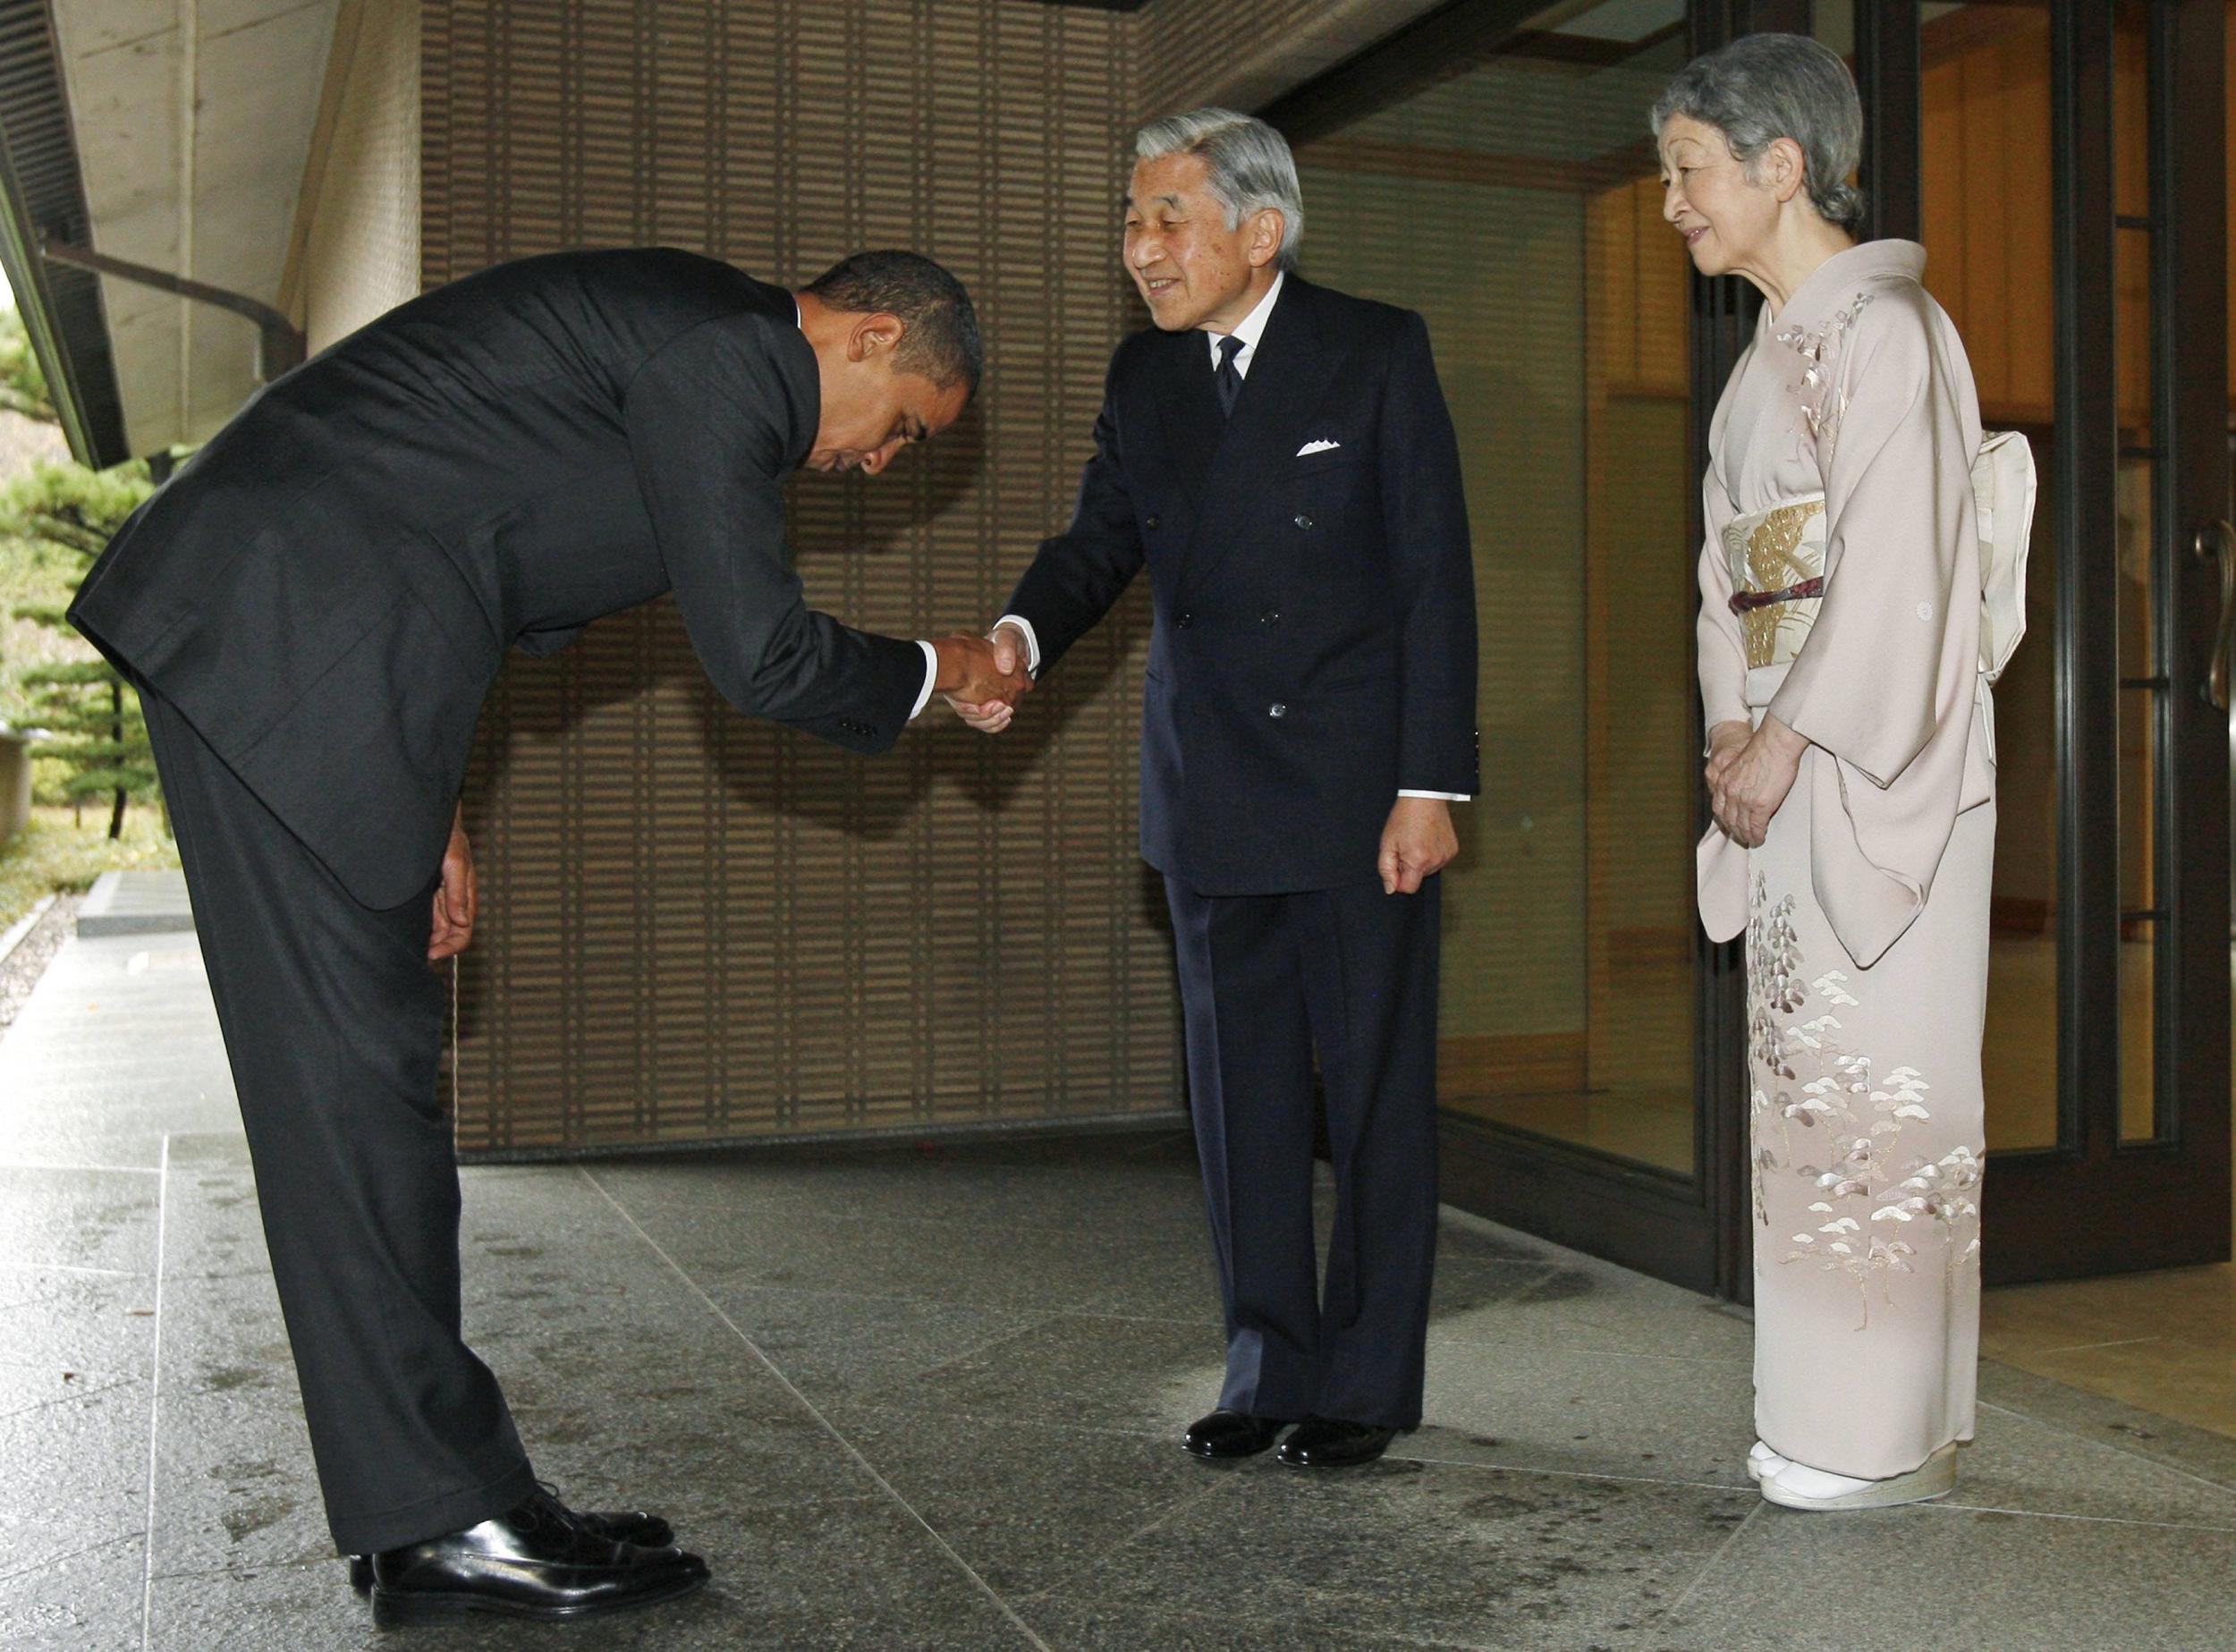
x: 1750, y: 773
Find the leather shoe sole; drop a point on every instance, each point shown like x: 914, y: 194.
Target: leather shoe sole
x: 411, y: 1608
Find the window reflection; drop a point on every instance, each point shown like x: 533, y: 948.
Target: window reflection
x: 1514, y: 203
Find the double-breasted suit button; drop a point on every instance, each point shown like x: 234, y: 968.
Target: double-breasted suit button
x: 1272, y: 616
x: 1185, y: 620
x: 1276, y: 710
x: 1304, y: 519
x: 1150, y: 523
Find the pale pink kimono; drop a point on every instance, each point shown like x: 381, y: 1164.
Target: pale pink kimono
x: 1866, y: 911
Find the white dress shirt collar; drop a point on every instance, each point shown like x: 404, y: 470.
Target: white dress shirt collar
x: 1250, y: 329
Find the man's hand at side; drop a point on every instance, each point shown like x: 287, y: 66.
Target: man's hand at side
x: 991, y: 716
x: 455, y: 898
x: 1418, y: 842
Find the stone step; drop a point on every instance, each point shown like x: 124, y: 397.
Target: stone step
x: 136, y: 903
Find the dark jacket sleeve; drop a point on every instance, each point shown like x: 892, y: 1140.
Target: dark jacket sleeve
x: 709, y: 433
x: 1078, y: 575
x: 1426, y: 520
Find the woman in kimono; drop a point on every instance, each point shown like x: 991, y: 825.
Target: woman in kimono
x: 1852, y: 779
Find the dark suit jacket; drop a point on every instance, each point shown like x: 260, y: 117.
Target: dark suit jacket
x: 1314, y: 649
x: 327, y: 589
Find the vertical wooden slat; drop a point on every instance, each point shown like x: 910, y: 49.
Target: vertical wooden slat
x: 697, y: 927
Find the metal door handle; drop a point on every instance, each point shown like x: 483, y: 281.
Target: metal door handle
x: 2218, y: 540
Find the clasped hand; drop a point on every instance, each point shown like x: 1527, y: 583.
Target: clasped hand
x: 1750, y: 773
x: 988, y: 707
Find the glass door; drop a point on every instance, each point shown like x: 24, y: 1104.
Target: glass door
x: 1491, y: 168
x: 2076, y: 151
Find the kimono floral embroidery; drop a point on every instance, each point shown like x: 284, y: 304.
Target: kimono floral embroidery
x: 1867, y: 1197
x: 1773, y: 955
x: 1819, y: 348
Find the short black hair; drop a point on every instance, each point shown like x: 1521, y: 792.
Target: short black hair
x: 942, y: 341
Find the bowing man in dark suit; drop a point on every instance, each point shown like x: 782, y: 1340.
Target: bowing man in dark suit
x: 313, y: 608
x: 1280, y: 458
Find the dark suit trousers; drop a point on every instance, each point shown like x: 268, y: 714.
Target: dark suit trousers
x: 334, y: 1023
x: 1265, y: 981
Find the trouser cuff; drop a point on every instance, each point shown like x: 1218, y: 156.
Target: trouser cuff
x: 435, y: 1517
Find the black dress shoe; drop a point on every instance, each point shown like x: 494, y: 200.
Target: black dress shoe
x: 541, y: 1559
x: 1330, y: 1443
x: 1225, y: 1434
x: 646, y: 1531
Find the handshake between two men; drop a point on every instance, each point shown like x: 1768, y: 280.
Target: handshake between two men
x: 983, y: 678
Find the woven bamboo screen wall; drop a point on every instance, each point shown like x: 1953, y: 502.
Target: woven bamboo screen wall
x: 698, y: 927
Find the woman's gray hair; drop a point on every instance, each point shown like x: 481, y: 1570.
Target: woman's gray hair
x: 1765, y: 87
x: 1249, y: 163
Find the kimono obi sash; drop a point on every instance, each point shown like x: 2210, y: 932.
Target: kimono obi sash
x: 1777, y: 561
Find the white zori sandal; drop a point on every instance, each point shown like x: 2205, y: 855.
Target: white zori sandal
x: 1762, y: 1462
x: 1797, y: 1486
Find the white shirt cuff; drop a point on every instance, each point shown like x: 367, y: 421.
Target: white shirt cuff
x: 931, y: 675
x: 1449, y: 797
x: 1032, y: 639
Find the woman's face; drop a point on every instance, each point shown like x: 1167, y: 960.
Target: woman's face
x: 1725, y: 219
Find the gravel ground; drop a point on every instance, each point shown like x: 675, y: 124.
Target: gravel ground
x: 21, y: 969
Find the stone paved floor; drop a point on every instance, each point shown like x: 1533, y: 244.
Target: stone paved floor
x: 920, y: 1399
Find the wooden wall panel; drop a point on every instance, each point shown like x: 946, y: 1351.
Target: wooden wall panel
x: 1987, y: 213
x: 699, y: 926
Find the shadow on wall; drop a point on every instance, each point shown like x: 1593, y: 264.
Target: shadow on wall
x: 860, y: 544
x: 842, y: 530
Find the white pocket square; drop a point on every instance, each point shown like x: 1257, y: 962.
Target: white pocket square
x: 1316, y: 447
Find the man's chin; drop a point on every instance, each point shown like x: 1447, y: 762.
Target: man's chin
x: 1166, y: 312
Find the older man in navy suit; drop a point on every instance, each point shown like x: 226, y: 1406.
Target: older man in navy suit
x: 1280, y: 457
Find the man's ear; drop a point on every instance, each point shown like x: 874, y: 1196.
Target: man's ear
x: 1267, y: 227
x: 878, y: 333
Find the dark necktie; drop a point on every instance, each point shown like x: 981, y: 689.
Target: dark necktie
x: 1228, y: 375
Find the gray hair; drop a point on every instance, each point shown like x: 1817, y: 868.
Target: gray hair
x: 1249, y: 163
x: 1765, y: 87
